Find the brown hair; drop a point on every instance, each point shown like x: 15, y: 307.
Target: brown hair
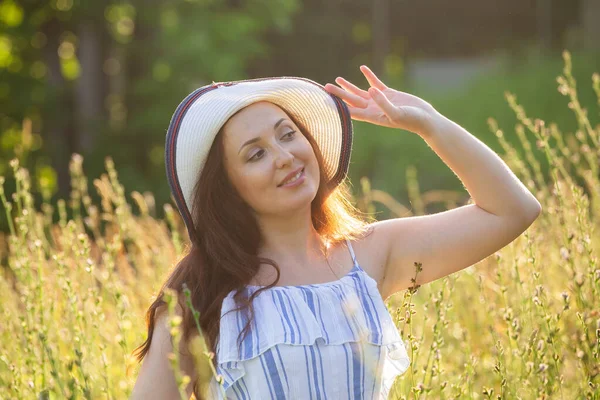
x: 222, y: 259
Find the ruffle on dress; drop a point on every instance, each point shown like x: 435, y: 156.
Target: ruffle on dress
x: 350, y: 309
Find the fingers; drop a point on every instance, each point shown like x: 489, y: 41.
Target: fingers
x: 350, y: 98
x: 359, y: 114
x: 350, y: 87
x: 386, y: 105
x: 372, y: 78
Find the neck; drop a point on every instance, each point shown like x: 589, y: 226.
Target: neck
x: 291, y: 238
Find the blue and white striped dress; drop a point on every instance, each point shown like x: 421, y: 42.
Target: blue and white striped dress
x: 332, y: 340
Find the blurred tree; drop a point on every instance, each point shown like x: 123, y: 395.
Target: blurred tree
x: 381, y: 35
x: 103, y: 77
x: 543, y: 22
x: 590, y: 15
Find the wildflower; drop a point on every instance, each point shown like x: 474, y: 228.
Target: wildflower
x: 529, y: 366
x: 540, y: 345
x: 565, y: 297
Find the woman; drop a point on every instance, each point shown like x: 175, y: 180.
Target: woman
x: 257, y: 169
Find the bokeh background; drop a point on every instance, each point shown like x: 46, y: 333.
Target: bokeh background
x: 97, y: 78
x: 102, y: 78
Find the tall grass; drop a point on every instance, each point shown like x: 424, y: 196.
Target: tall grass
x: 523, y: 323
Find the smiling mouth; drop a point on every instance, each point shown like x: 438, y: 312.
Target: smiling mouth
x: 293, y: 180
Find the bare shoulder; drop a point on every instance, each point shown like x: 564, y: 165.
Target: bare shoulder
x: 371, y: 254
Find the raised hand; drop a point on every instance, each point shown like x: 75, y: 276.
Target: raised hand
x: 382, y: 105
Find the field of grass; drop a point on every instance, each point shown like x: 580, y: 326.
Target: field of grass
x: 522, y: 324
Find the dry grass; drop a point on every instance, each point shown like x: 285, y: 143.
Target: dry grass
x: 523, y: 323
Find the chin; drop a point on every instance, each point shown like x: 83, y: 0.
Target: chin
x: 295, y: 199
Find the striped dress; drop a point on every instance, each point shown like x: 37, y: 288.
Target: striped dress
x: 333, y: 340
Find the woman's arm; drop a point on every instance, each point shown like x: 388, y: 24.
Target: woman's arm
x: 452, y: 240
x: 449, y: 241
x: 489, y: 181
x: 156, y: 379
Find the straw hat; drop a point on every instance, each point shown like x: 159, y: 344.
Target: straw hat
x: 200, y: 116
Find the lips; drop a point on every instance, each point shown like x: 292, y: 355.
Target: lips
x: 288, y: 176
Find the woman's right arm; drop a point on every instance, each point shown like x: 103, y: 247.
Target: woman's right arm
x: 156, y: 379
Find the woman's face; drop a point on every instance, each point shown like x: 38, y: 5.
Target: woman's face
x: 262, y: 146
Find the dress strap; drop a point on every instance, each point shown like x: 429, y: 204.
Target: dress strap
x: 351, y: 251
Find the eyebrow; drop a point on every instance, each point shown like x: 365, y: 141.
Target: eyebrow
x: 256, y: 139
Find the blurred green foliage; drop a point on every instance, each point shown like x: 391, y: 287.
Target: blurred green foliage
x: 102, y: 78
x: 384, y: 154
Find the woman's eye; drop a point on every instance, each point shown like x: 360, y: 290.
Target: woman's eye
x: 291, y: 133
x: 254, y: 156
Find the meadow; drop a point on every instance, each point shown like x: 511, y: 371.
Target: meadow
x: 78, y: 275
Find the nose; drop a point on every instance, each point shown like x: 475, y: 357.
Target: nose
x: 283, y: 157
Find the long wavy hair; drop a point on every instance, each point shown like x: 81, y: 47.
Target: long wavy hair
x: 222, y: 255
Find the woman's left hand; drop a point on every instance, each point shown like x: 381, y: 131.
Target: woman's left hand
x: 382, y: 105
